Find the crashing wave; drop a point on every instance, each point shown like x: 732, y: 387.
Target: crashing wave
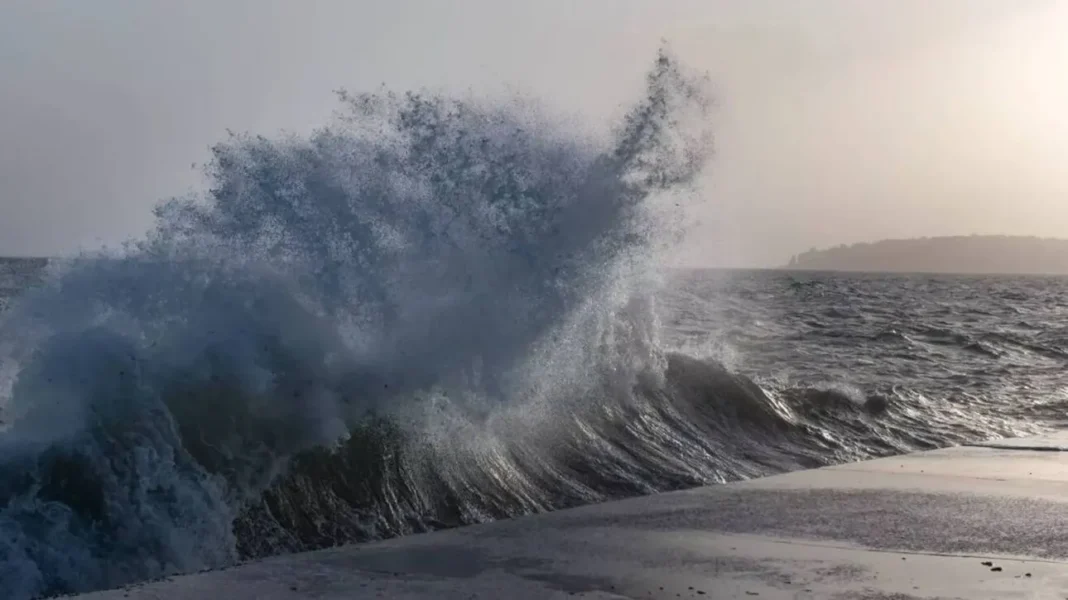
x: 418, y: 316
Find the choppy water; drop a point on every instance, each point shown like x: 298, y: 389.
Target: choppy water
x: 956, y: 355
x: 436, y: 312
x: 763, y: 372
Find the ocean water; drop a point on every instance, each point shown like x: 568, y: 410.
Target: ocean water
x: 435, y: 312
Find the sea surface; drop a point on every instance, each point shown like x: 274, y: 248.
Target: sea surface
x: 763, y: 372
x: 435, y: 312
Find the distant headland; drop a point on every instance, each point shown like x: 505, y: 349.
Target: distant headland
x: 1001, y: 254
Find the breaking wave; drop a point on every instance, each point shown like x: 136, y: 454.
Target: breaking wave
x: 408, y: 319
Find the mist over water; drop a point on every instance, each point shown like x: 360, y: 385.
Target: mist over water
x: 407, y: 305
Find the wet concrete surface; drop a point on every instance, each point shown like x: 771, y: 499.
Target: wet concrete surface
x: 969, y: 522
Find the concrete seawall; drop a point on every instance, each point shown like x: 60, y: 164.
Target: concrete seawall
x: 984, y: 521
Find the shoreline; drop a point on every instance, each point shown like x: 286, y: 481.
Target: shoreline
x: 918, y: 525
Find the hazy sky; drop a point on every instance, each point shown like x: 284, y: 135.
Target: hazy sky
x: 837, y: 121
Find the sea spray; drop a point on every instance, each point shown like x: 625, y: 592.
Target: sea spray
x: 405, y: 320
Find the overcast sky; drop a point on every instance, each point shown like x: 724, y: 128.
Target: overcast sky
x: 837, y: 121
